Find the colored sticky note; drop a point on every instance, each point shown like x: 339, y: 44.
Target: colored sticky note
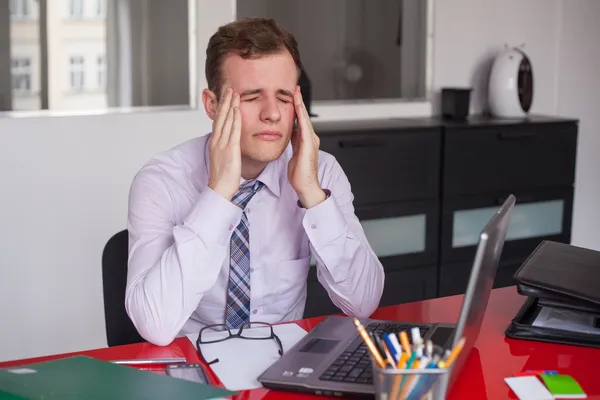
x: 535, y: 373
x: 528, y: 388
x: 563, y: 386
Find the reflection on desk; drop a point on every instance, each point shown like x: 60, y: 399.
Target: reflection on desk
x: 493, y: 358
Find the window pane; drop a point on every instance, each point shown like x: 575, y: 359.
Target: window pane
x: 354, y: 49
x: 25, y: 55
x: 528, y: 220
x: 135, y: 53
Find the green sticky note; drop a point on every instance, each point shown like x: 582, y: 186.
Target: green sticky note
x: 81, y: 377
x: 563, y: 386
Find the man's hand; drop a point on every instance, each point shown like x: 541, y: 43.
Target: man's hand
x: 225, y: 153
x: 304, y: 164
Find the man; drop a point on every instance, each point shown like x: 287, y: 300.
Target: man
x: 222, y: 227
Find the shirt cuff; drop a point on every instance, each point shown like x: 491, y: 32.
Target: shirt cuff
x: 324, y: 223
x: 213, y: 218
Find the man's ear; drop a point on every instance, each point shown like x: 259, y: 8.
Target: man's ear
x: 210, y: 103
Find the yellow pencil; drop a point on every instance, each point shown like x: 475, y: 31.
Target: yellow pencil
x: 453, y: 354
x: 370, y: 345
x: 404, y: 341
x: 403, y: 360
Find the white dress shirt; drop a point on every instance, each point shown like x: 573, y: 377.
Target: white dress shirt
x: 179, y: 233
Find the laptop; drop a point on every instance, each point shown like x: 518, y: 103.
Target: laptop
x: 332, y: 359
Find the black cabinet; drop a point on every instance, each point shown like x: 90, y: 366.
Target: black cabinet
x: 388, y: 165
x: 424, y: 188
x: 543, y: 214
x: 484, y: 158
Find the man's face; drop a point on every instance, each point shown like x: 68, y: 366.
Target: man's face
x: 266, y: 86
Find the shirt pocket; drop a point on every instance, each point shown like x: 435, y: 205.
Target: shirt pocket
x: 286, y: 285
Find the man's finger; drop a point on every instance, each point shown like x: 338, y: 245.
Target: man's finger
x: 295, y: 141
x: 236, y: 128
x: 224, y: 107
x: 301, y: 116
x: 226, y: 131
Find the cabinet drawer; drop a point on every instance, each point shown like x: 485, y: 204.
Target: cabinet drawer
x: 543, y: 215
x: 454, y: 278
x: 508, y: 158
x: 391, y: 166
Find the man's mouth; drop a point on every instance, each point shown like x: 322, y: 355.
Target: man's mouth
x: 269, y: 135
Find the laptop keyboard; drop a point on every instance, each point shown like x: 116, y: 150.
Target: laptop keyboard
x: 354, y: 364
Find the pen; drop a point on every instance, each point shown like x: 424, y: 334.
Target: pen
x: 453, y: 354
x: 377, y: 340
x: 429, y: 349
x: 411, y: 360
x: 146, y: 361
x: 370, y: 345
x: 434, y: 362
x: 394, y: 346
x: 417, y: 341
x: 389, y: 356
x: 405, y: 344
x: 402, y: 361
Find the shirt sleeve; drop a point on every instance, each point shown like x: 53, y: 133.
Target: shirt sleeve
x: 347, y: 267
x: 172, y: 265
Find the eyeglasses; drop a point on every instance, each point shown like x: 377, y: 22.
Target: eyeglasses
x: 266, y: 333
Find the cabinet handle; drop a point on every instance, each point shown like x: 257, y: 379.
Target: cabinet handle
x: 347, y: 144
x: 515, y: 135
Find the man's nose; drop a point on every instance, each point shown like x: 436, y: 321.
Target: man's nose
x: 270, y: 111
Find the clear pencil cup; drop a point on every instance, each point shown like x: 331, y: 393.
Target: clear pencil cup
x: 409, y: 384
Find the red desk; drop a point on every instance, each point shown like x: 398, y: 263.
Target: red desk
x: 493, y: 358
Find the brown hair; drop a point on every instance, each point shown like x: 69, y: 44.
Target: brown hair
x: 248, y: 38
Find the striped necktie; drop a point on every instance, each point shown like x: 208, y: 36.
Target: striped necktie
x: 237, y: 310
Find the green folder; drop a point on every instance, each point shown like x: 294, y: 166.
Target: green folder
x: 563, y: 386
x: 82, y: 377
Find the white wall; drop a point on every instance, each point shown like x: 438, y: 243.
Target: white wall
x: 578, y: 95
x: 65, y: 180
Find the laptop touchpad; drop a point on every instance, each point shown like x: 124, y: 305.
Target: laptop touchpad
x: 320, y: 346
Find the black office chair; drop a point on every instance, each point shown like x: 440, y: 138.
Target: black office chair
x: 119, y: 328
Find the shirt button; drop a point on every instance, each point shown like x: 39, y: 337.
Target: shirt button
x: 313, y: 226
x: 254, y: 311
x: 230, y: 226
x: 251, y: 269
x: 248, y: 210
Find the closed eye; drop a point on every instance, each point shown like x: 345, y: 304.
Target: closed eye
x: 285, y: 100
x: 251, y: 99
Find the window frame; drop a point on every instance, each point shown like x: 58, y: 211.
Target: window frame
x: 23, y: 71
x: 77, y: 70
x: 329, y: 110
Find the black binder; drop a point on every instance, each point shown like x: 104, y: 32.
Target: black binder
x: 562, y: 286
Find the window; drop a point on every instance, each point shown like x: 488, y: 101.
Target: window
x: 76, y: 9
x: 21, y: 75
x: 101, y: 8
x: 101, y: 48
x: 355, y: 49
x: 19, y: 8
x: 76, y: 67
x: 101, y: 68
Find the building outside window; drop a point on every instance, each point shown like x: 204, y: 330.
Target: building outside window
x: 77, y: 72
x: 21, y: 75
x: 19, y: 8
x: 76, y: 9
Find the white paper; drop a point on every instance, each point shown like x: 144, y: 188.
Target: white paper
x: 566, y: 320
x: 241, y: 361
x: 528, y: 388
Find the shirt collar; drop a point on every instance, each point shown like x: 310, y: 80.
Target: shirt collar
x: 269, y: 176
